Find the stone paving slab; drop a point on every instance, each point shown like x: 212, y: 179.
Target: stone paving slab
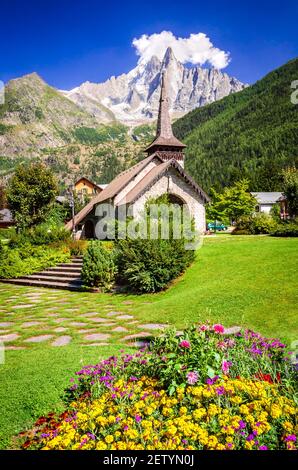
x: 120, y: 329
x: 28, y: 324
x: 233, y: 330
x: 98, y: 320
x: 5, y: 324
x: 78, y: 323
x: 90, y: 314
x: 60, y: 329
x: 60, y: 320
x: 86, y: 330
x: 62, y: 341
x: 97, y: 337
x: 143, y: 334
x: 153, y: 326
x: 9, y: 337
x: 13, y: 348
x: 133, y: 322
x: 124, y: 317
x: 22, y: 306
x: 38, y: 339
x: 96, y: 344
x: 112, y: 314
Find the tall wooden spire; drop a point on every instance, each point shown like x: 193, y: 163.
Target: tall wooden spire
x: 165, y: 143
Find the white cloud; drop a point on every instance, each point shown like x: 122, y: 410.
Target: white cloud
x: 196, y: 49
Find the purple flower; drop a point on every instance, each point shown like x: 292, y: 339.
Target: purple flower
x: 220, y: 390
x: 290, y: 437
x: 212, y: 381
x: 133, y: 379
x: 263, y: 448
x: 89, y: 434
x: 242, y: 424
x: 250, y: 437
x: 192, y: 377
x: 138, y: 418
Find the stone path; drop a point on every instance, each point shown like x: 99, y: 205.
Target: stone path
x: 57, y: 321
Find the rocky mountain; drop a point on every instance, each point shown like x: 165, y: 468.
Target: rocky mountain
x: 133, y: 98
x: 36, y: 116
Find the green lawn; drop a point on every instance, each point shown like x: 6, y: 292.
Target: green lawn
x: 248, y: 281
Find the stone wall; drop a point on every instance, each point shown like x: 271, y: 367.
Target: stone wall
x: 175, y: 184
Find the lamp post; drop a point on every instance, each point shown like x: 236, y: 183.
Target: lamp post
x: 72, y: 205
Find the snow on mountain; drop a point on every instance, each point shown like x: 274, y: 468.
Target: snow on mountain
x: 133, y: 98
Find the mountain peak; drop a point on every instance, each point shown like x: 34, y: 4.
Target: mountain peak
x: 168, y: 57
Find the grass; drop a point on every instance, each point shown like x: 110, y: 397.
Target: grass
x: 243, y: 280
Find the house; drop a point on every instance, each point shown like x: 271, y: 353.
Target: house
x: 85, y: 187
x: 161, y: 172
x: 267, y: 200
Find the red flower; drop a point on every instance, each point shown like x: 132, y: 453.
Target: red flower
x: 184, y: 344
x: 218, y: 328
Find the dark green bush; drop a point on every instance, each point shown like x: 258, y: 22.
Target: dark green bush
x: 150, y: 265
x: 286, y: 230
x: 99, y: 268
x: 254, y: 225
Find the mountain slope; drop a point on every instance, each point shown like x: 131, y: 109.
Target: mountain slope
x: 252, y: 133
x: 36, y: 116
x: 134, y: 97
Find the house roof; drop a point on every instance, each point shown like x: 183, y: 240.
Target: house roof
x: 267, y: 198
x: 115, y: 186
x: 89, y: 181
x: 153, y: 175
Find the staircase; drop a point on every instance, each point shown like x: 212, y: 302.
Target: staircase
x: 63, y: 276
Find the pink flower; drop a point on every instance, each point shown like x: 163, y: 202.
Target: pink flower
x: 225, y: 366
x: 203, y: 327
x: 138, y: 418
x: 192, y: 378
x: 184, y: 344
x: 218, y: 328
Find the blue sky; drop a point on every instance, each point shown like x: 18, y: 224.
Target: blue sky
x: 68, y: 42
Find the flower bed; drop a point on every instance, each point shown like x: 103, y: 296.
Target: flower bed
x: 201, y: 390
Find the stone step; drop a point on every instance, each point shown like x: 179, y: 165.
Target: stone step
x: 57, y: 273
x: 50, y: 285
x: 64, y: 269
x: 44, y: 277
x: 70, y: 265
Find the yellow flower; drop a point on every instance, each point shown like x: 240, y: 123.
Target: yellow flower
x: 109, y: 439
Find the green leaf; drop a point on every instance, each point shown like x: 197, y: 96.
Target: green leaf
x: 210, y: 372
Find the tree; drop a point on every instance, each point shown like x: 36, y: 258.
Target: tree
x: 234, y: 202
x: 290, y: 189
x: 30, y: 193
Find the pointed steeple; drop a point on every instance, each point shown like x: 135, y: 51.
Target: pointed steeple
x: 165, y: 143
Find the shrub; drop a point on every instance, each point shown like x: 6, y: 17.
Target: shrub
x: 40, y: 235
x: 149, y: 265
x: 286, y: 230
x: 99, y: 269
x: 28, y: 259
x: 254, y: 225
x: 202, y: 390
x: 78, y: 247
